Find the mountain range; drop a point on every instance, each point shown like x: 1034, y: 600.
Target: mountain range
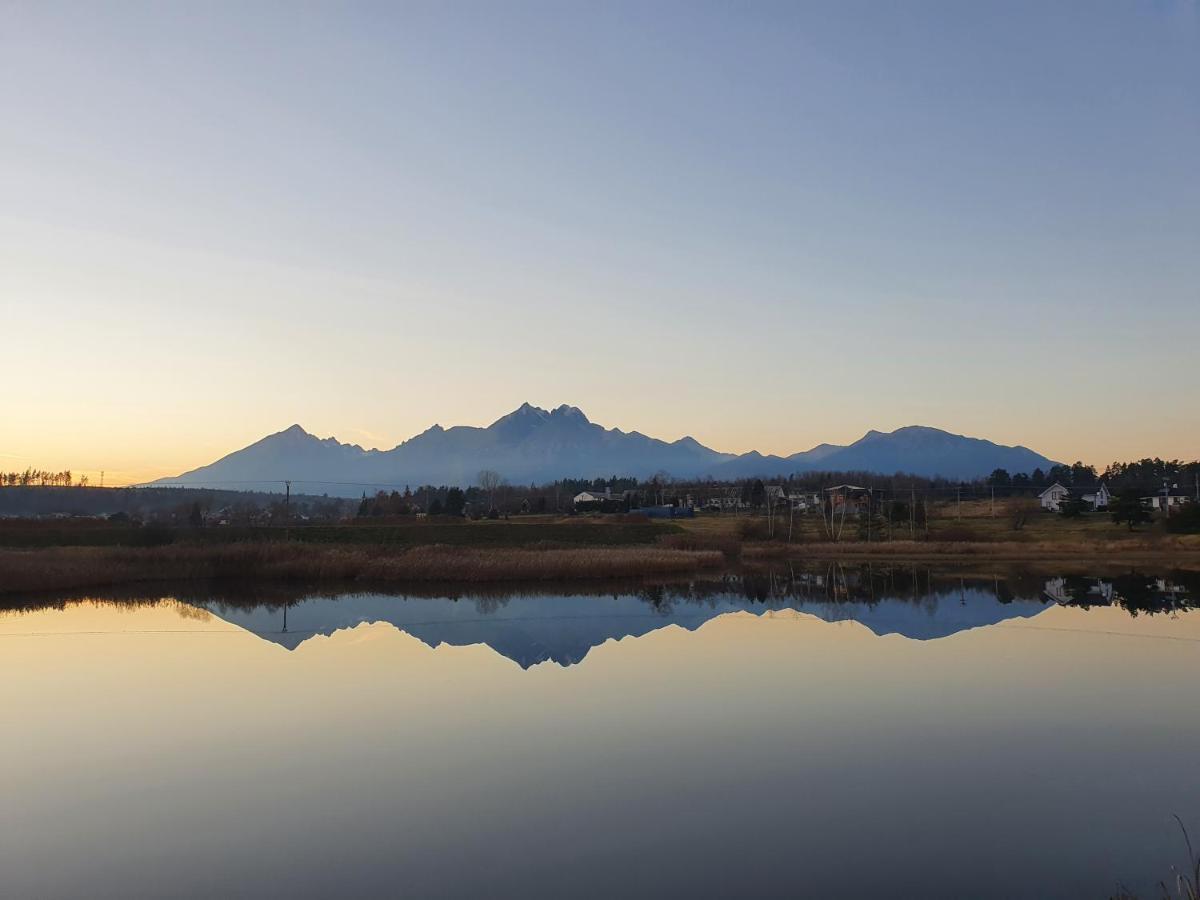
x: 534, y: 445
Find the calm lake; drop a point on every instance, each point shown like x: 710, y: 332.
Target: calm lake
x: 836, y: 731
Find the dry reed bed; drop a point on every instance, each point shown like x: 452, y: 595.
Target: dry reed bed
x: 1181, y: 548
x: 65, y: 568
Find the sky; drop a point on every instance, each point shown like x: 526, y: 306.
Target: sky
x: 763, y: 225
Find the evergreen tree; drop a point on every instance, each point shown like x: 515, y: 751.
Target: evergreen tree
x: 455, y: 501
x: 1071, y: 507
x: 1128, y: 509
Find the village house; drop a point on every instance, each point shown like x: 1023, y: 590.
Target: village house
x: 1095, y: 590
x: 1096, y: 498
x: 778, y: 495
x: 854, y: 498
x: 802, y: 502
x: 728, y: 500
x: 604, y: 500
x: 725, y: 503
x: 593, y: 497
x: 1159, y: 501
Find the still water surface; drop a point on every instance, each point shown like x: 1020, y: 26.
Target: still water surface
x: 826, y: 733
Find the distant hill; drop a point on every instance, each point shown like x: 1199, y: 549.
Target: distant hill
x: 928, y: 451
x: 915, y: 449
x: 536, y: 445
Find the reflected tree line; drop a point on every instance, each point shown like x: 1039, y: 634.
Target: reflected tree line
x: 871, y: 584
x: 833, y: 583
x: 1134, y: 592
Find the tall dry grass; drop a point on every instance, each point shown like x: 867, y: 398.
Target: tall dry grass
x: 66, y: 568
x: 1186, y: 883
x: 728, y: 544
x: 1167, y: 549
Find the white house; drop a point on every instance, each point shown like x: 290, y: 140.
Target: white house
x: 726, y: 502
x: 802, y: 502
x: 593, y: 496
x: 1053, y: 496
x: 1098, y: 591
x: 1158, y: 501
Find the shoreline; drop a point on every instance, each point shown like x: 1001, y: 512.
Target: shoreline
x: 72, y: 568
x: 1116, y: 552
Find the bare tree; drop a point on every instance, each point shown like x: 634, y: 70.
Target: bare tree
x: 658, y: 484
x: 488, y: 482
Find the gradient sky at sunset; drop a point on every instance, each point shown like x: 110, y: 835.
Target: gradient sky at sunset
x: 765, y: 225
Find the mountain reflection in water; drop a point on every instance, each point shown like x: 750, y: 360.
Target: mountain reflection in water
x: 537, y: 625
x: 827, y: 731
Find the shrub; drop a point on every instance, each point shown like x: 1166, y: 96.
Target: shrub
x: 155, y: 534
x: 752, y: 529
x: 1071, y: 508
x: 1185, y: 520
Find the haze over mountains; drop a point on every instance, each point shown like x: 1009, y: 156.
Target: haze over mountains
x: 534, y: 445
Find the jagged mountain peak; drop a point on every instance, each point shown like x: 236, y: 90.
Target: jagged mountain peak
x: 524, y: 418
x: 569, y: 412
x: 292, y: 432
x: 527, y: 418
x: 297, y: 434
x: 525, y: 411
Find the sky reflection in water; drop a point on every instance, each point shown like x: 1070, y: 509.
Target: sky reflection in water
x: 823, y: 734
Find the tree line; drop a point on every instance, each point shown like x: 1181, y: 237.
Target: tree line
x: 42, y: 478
x: 1144, y: 475
x: 491, y: 494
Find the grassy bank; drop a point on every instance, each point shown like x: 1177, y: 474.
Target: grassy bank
x: 547, y: 532
x: 1182, y: 549
x: 979, y: 536
x: 68, y: 568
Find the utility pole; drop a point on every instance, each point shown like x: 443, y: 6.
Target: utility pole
x: 912, y: 514
x: 101, y: 478
x: 287, y: 515
x: 958, y: 508
x: 993, y: 501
